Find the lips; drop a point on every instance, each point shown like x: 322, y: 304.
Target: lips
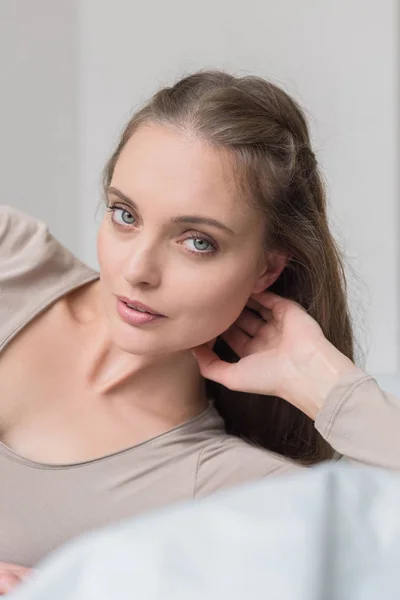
x: 136, y: 304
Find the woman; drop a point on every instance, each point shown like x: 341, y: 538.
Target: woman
x: 217, y: 264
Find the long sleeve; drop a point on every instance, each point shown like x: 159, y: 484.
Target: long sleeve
x: 35, y: 269
x: 362, y: 422
x: 358, y: 419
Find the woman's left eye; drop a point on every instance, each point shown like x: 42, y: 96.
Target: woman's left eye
x: 201, y: 245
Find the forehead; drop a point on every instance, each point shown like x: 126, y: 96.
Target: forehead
x: 158, y: 163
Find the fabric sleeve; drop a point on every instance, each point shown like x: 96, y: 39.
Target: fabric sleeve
x: 362, y: 422
x: 24, y: 244
x: 20, y: 237
x: 359, y: 420
x: 34, y: 269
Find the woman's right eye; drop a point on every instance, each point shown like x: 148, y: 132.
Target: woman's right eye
x: 121, y: 216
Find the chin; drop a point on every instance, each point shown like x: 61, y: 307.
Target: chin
x: 150, y: 346
x: 137, y: 341
x: 137, y: 349
x: 133, y: 341
x: 143, y: 341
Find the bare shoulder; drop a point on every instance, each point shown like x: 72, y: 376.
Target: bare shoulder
x: 230, y: 461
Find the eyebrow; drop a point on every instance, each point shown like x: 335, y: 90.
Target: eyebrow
x: 181, y: 219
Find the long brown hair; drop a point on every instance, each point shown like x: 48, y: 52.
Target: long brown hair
x: 276, y: 171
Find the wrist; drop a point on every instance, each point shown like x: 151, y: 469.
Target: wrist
x: 313, y: 381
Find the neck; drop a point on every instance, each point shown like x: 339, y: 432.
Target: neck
x: 167, y: 389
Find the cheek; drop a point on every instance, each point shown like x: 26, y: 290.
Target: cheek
x: 212, y: 307
x: 101, y: 242
x: 106, y: 254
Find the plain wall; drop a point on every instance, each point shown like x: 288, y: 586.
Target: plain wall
x: 38, y: 114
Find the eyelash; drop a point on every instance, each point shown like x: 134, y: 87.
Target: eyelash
x: 111, y: 208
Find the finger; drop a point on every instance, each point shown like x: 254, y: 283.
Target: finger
x: 249, y: 322
x: 278, y: 304
x: 265, y: 313
x: 211, y: 366
x: 237, y: 339
x: 272, y: 301
x: 8, y: 581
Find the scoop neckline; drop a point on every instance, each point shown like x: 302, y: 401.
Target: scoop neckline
x: 9, y: 453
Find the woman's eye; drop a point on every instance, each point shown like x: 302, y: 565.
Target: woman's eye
x: 200, y: 245
x: 122, y: 216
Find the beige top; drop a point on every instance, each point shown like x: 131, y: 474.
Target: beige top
x: 42, y: 506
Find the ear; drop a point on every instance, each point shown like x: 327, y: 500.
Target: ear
x: 274, y: 264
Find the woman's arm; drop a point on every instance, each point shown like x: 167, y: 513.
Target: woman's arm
x: 360, y: 420
x: 283, y: 352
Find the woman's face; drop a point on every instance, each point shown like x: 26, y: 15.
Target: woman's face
x: 157, y: 247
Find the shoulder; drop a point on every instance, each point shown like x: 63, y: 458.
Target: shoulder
x: 230, y: 461
x: 27, y: 245
x: 35, y: 269
x: 10, y: 214
x: 28, y: 251
x: 18, y: 230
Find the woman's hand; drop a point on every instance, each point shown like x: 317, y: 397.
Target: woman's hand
x: 283, y: 352
x: 12, y: 575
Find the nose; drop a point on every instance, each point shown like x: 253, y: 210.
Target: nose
x: 142, y: 265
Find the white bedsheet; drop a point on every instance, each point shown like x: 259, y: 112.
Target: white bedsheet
x: 330, y: 533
